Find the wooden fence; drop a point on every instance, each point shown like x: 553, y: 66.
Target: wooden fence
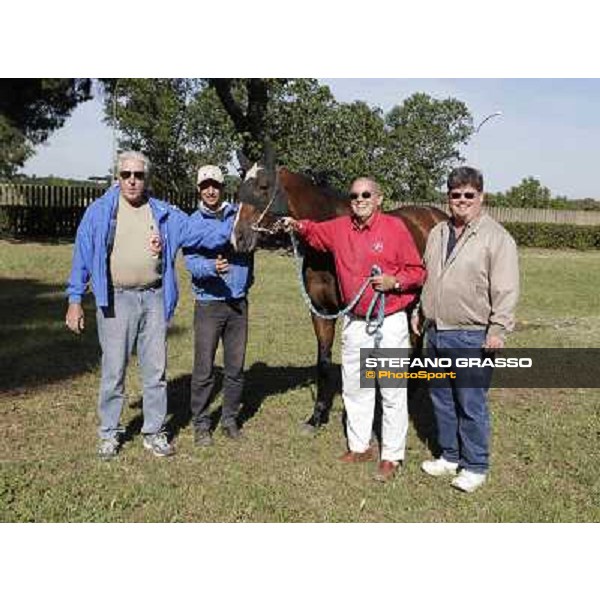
x: 544, y: 215
x: 32, y: 210
x: 505, y: 214
x: 44, y: 210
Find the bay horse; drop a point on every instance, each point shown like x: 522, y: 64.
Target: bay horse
x: 265, y: 187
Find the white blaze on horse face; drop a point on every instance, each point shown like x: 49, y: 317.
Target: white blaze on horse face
x: 232, y: 239
x: 252, y: 173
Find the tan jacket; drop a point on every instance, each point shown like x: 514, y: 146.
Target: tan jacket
x: 478, y: 286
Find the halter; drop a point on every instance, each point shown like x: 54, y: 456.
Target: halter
x: 276, y: 226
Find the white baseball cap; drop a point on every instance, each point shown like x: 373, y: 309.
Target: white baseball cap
x: 210, y: 172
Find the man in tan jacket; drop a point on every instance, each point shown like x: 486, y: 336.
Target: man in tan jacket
x: 468, y: 302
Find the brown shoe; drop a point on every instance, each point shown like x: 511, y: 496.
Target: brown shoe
x: 359, y: 457
x: 386, y: 471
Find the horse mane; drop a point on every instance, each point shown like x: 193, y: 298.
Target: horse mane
x: 307, y: 200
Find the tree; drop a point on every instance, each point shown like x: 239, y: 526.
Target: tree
x: 409, y: 151
x: 30, y: 110
x: 14, y: 148
x: 530, y: 193
x: 246, y: 102
x: 180, y: 123
x: 177, y: 123
x: 313, y: 133
x: 423, y: 137
x: 582, y: 204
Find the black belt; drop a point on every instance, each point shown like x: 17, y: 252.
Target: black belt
x: 140, y: 288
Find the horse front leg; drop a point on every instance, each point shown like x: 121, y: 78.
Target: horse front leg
x: 327, y: 380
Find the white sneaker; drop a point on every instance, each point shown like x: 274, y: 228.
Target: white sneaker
x: 467, y: 481
x: 158, y: 443
x: 439, y: 467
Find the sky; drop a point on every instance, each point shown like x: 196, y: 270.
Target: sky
x: 549, y: 129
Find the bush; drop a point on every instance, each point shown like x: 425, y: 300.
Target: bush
x: 555, y: 235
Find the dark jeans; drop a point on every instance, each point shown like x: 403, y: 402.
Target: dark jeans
x: 461, y: 413
x: 226, y: 320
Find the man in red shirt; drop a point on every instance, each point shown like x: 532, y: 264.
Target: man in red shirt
x: 358, y: 242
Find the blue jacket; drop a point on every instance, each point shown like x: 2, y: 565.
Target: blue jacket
x: 95, y: 235
x: 207, y: 284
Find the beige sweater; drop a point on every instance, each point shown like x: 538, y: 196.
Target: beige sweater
x: 478, y: 286
x: 132, y: 263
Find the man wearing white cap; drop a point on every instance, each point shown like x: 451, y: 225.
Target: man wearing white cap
x: 220, y: 281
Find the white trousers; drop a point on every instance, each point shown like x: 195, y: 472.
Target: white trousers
x: 360, y: 402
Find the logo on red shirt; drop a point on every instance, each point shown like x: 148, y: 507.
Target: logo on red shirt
x: 377, y: 247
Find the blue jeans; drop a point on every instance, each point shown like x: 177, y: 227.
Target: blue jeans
x: 134, y: 317
x: 461, y: 413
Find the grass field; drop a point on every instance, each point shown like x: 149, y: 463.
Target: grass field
x: 545, y: 463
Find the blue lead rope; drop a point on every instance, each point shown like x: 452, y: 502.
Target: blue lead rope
x: 373, y: 325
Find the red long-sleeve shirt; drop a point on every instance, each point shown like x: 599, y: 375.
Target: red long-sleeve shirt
x: 383, y: 241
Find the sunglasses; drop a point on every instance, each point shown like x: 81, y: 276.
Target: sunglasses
x: 365, y: 195
x: 139, y: 175
x: 467, y: 195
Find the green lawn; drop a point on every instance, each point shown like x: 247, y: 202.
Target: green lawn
x: 544, y: 454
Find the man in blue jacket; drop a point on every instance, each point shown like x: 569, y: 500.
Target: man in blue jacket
x: 126, y: 246
x: 220, y: 280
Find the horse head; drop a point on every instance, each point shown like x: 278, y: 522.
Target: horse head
x: 257, y: 195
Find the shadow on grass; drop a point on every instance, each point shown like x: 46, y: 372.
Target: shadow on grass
x: 264, y: 381
x: 43, y: 240
x: 35, y: 346
x: 261, y: 382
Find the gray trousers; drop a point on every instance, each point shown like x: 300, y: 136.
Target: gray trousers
x: 228, y: 321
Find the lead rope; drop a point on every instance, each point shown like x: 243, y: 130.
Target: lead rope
x: 373, y: 326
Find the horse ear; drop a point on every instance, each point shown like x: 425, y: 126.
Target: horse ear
x: 245, y: 163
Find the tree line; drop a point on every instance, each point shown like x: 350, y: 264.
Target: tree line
x: 530, y: 193
x: 182, y: 123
